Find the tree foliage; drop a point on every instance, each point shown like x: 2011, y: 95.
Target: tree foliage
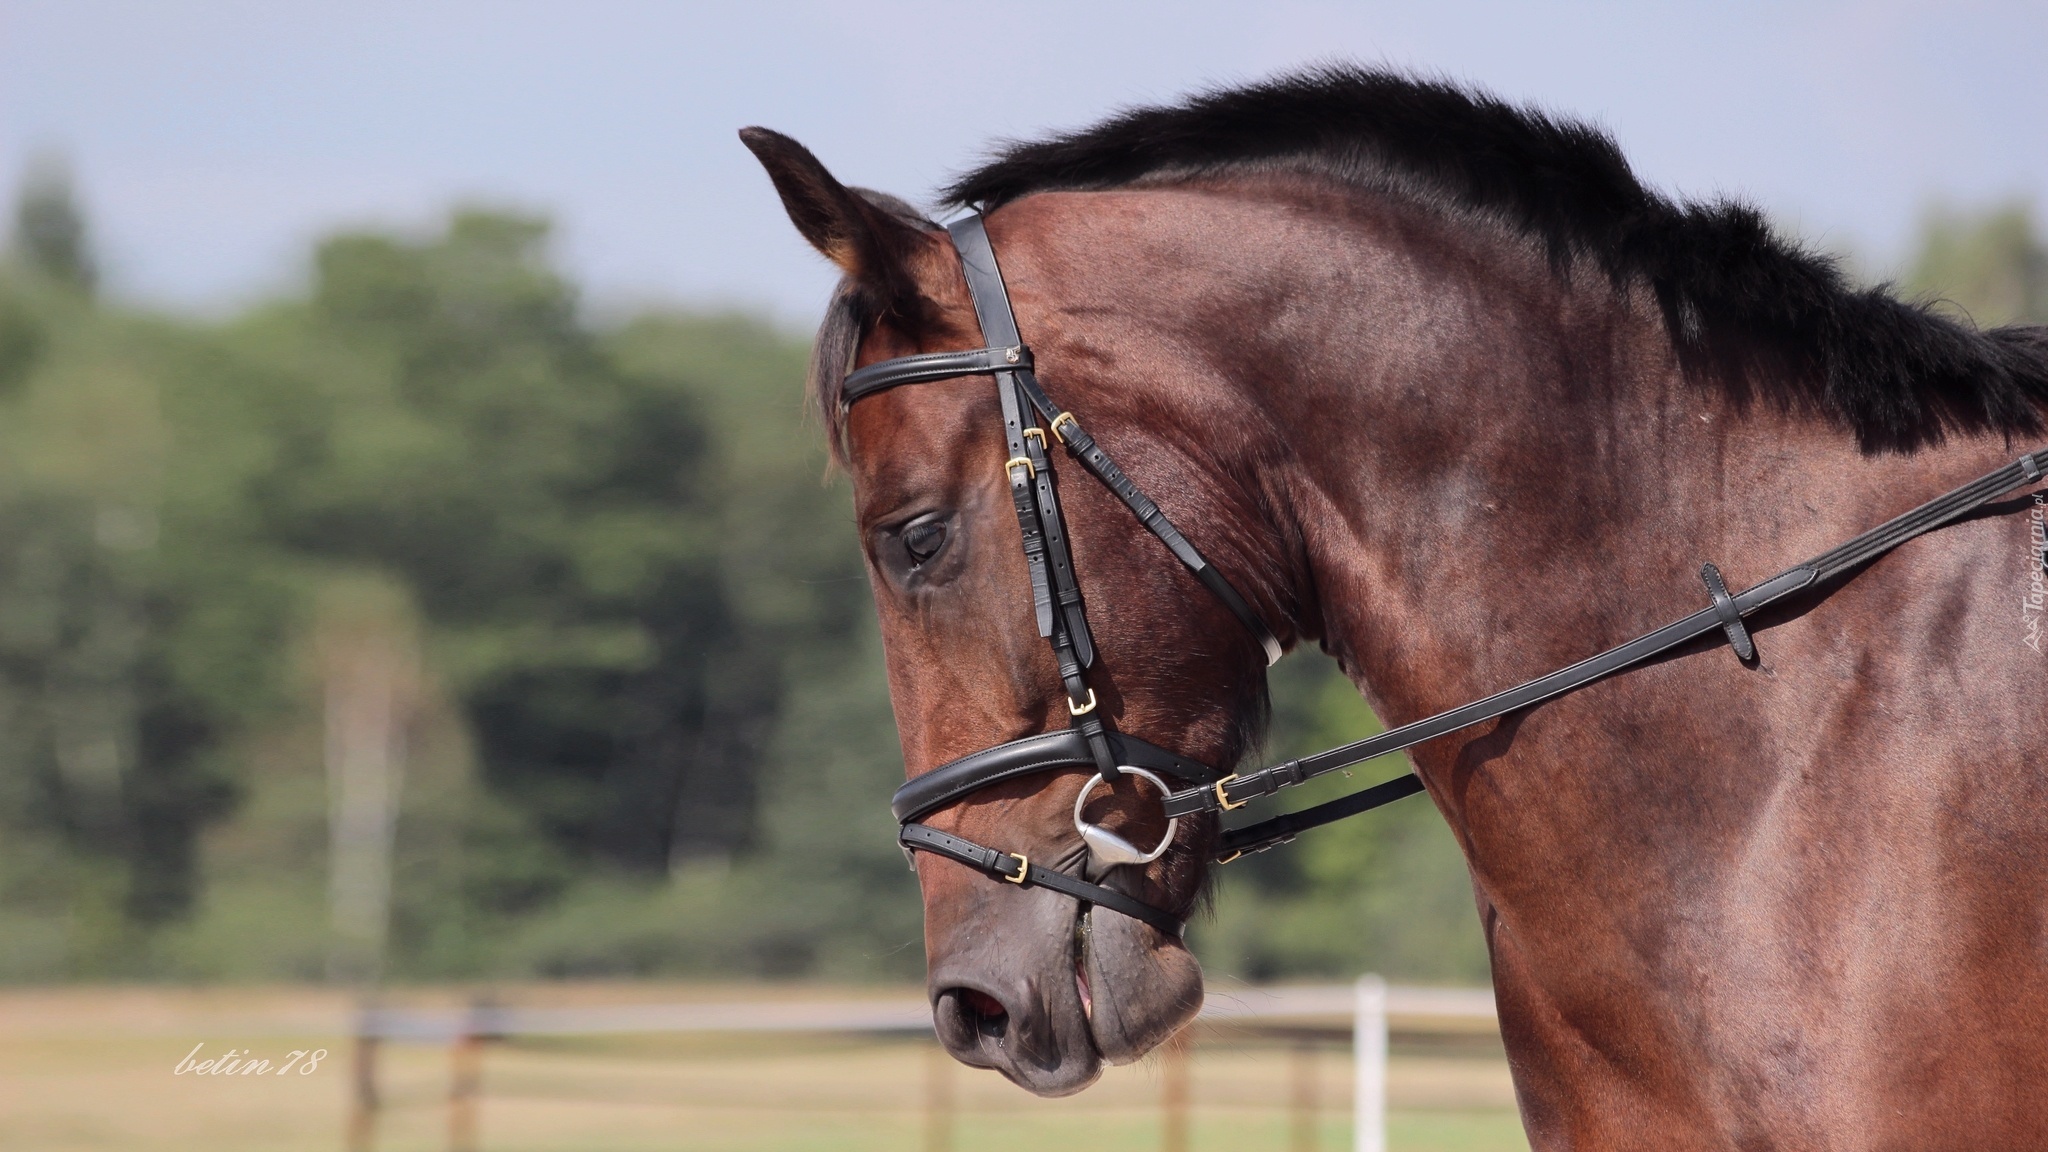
x: 650, y: 731
x: 1988, y: 265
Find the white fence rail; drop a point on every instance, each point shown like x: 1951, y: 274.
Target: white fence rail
x: 1367, y: 1006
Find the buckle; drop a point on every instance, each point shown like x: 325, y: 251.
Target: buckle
x: 1063, y: 418
x: 1038, y: 433
x: 1030, y: 469
x: 1227, y: 859
x: 1223, y: 797
x: 1023, y: 869
x: 1084, y: 709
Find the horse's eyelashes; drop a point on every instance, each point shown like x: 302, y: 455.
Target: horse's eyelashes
x: 924, y: 539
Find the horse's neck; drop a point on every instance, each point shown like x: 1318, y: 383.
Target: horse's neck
x: 1465, y: 487
x: 1502, y: 477
x: 1514, y: 474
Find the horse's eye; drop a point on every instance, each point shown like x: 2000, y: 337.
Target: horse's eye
x: 923, y: 540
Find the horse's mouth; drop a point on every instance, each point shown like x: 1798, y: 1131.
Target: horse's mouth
x: 1081, y: 923
x: 1132, y: 993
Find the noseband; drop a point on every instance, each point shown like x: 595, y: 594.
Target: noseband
x: 1062, y: 622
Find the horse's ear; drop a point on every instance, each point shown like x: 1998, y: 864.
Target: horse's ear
x: 871, y: 237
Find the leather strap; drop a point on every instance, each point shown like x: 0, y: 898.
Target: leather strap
x: 1726, y: 612
x: 927, y: 792
x: 999, y: 326
x: 1235, y: 790
x: 931, y: 366
x: 1020, y: 871
x: 1249, y: 786
x: 1279, y: 830
x: 1056, y: 589
x: 1083, y: 447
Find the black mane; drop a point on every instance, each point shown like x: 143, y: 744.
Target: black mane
x: 1738, y: 300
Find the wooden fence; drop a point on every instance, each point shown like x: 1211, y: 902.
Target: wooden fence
x: 1361, y: 1012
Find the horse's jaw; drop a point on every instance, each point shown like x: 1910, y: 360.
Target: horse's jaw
x: 1138, y: 987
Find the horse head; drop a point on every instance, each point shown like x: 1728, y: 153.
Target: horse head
x: 1022, y: 978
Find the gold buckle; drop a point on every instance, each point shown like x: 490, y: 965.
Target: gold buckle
x: 1223, y: 797
x: 1229, y: 858
x: 1064, y: 417
x: 1038, y: 432
x: 1030, y: 469
x: 1023, y: 868
x: 1084, y: 709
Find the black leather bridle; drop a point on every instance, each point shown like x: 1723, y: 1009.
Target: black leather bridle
x: 1062, y: 621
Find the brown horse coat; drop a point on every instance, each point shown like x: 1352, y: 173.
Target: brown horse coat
x: 1460, y: 431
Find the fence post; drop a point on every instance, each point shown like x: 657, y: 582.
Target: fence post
x: 1369, y: 1056
x: 465, y: 1078
x: 938, y: 1099
x: 1173, y: 1096
x: 362, y: 1113
x: 1302, y: 1134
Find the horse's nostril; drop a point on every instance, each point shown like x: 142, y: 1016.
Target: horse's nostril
x: 989, y: 1017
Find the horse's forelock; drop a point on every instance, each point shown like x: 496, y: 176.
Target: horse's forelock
x: 855, y: 308
x: 846, y: 320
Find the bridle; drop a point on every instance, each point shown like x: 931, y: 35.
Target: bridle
x: 1062, y: 622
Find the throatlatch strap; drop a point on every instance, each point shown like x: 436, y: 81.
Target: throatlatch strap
x: 1083, y: 447
x: 984, y: 282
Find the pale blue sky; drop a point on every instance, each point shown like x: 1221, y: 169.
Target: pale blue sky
x: 214, y: 138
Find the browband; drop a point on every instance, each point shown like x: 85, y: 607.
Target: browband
x: 932, y: 366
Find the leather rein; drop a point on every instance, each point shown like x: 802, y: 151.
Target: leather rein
x: 1062, y: 622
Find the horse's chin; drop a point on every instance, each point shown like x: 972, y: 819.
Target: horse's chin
x: 1138, y: 987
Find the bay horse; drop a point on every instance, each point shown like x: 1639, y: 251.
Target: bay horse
x: 1443, y: 388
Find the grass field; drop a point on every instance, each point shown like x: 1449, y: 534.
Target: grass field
x: 92, y: 1070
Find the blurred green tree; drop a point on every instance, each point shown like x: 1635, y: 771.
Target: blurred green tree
x: 49, y: 227
x: 650, y: 732
x: 1988, y: 264
x: 110, y: 762
x: 452, y: 421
